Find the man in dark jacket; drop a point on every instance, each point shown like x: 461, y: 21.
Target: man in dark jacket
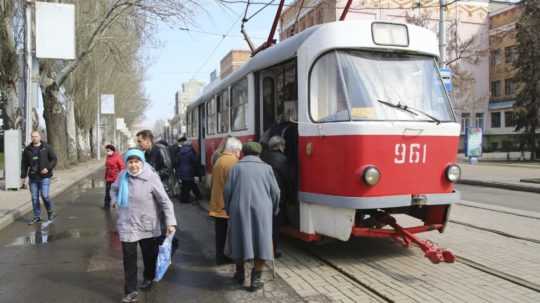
x: 186, y: 170
x: 38, y: 162
x: 145, y: 140
x: 275, y: 157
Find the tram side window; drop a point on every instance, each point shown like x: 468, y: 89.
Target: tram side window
x: 239, y: 98
x: 223, y: 112
x: 195, y: 122
x: 211, y: 117
x: 188, y: 124
x: 327, y: 96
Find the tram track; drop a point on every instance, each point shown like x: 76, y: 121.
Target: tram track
x: 499, y: 274
x: 373, y: 291
x: 498, y: 232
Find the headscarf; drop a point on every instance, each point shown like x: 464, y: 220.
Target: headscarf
x: 252, y: 148
x: 123, y: 187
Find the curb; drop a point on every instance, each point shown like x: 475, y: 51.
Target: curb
x: 500, y: 185
x: 16, y: 213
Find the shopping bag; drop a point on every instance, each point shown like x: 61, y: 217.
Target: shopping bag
x: 164, y: 258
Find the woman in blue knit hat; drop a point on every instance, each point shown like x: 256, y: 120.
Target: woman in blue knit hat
x: 140, y: 199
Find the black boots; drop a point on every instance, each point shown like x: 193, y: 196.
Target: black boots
x: 240, y: 274
x: 256, y: 280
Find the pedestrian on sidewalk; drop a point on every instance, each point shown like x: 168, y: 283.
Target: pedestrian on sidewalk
x: 219, y: 150
x: 38, y: 162
x: 251, y: 200
x: 220, y: 173
x: 186, y: 169
x: 141, y: 201
x: 113, y: 165
x: 275, y: 157
x: 156, y: 154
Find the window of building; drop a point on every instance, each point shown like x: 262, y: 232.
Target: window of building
x: 510, y: 54
x: 479, y: 121
x: 496, y: 119
x: 496, y: 88
x: 495, y: 57
x: 239, y: 100
x: 223, y: 112
x: 211, y: 117
x: 509, y: 119
x: 509, y: 87
x: 465, y: 121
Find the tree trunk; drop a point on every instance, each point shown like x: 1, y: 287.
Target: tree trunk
x: 83, y: 146
x: 71, y: 131
x: 91, y: 141
x: 54, y: 114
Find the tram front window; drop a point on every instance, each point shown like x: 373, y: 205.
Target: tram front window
x: 346, y: 85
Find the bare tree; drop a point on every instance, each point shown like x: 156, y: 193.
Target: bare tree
x: 9, y: 68
x: 53, y: 75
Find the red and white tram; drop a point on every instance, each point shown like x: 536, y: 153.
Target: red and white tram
x: 376, y: 132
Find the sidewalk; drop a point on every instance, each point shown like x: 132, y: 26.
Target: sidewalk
x: 15, y: 204
x: 506, y: 175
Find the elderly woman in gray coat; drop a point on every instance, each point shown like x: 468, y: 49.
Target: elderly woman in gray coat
x: 142, y: 203
x: 251, y: 200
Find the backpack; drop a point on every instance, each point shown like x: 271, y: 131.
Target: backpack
x: 165, y: 156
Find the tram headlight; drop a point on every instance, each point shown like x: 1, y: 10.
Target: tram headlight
x: 453, y: 173
x: 371, y: 175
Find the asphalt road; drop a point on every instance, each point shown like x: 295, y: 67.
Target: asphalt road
x: 501, y: 197
x: 77, y: 258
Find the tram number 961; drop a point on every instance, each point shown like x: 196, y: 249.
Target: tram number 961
x: 410, y: 153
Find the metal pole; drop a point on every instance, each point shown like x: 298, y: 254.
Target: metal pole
x: 98, y: 128
x: 28, y: 50
x: 442, y: 33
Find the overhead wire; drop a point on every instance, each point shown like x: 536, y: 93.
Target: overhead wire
x: 415, y: 6
x: 186, y: 29
x: 215, y: 48
x: 260, y: 10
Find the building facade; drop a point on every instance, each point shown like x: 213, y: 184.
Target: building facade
x: 232, y: 61
x: 503, y: 53
x: 188, y: 92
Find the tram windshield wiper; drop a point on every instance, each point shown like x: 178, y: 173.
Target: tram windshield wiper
x: 409, y: 109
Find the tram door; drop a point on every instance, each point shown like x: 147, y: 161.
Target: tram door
x: 278, y: 103
x: 278, y: 96
x: 202, y: 134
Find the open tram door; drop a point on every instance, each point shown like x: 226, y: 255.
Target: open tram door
x: 277, y: 108
x: 201, y: 138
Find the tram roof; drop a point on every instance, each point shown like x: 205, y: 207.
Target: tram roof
x: 288, y: 49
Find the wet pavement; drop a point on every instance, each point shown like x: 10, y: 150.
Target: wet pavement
x: 77, y: 258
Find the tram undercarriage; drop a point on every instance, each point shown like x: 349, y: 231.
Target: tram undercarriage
x: 379, y: 223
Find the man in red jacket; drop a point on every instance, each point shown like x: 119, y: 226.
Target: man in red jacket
x: 113, y: 165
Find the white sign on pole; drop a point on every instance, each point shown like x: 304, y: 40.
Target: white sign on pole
x: 120, y: 123
x: 55, y: 30
x: 107, y: 104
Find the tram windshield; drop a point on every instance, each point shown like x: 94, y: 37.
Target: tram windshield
x: 361, y: 85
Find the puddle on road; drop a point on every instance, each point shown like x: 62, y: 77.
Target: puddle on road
x: 90, y: 183
x: 46, y: 234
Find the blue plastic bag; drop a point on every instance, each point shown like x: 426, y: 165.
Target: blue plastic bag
x: 164, y: 258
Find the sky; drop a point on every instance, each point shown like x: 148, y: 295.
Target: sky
x: 183, y: 55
